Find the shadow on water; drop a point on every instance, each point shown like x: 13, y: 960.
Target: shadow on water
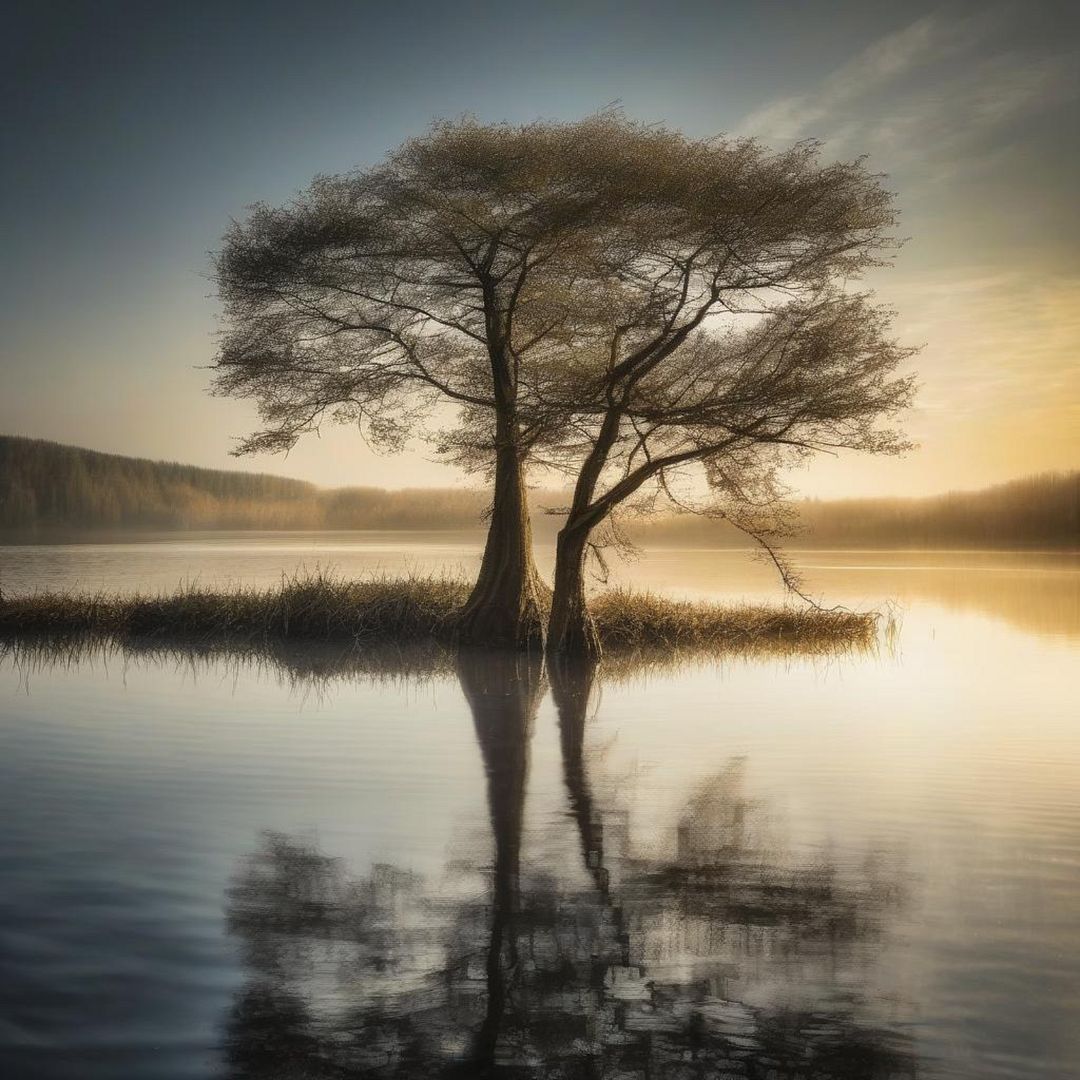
x: 724, y: 956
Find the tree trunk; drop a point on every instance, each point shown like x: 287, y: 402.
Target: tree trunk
x: 505, y: 609
x: 571, y: 630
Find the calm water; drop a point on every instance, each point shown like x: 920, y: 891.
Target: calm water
x: 865, y: 867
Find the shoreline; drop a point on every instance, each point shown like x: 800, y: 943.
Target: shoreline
x: 477, y: 534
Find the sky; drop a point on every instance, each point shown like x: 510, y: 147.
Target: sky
x: 133, y: 133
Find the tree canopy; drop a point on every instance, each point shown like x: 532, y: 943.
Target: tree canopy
x: 609, y: 298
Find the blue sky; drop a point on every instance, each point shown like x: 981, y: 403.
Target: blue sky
x: 134, y: 131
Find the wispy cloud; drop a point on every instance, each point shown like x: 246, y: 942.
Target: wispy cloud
x: 938, y: 91
x: 998, y: 341
x: 877, y: 66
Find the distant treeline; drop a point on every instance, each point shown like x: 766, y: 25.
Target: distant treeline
x: 1035, y: 511
x: 47, y: 489
x: 1040, y: 511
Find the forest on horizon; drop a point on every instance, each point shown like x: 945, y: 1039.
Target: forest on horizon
x: 48, y: 489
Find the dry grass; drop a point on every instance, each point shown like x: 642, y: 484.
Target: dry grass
x: 319, y: 622
x: 630, y: 621
x: 305, y: 608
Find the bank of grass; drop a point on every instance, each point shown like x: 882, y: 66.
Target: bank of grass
x: 629, y: 621
x: 397, y: 613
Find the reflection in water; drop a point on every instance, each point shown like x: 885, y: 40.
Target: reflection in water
x: 503, y: 692
x: 1038, y: 593
x: 725, y: 956
x: 1035, y: 592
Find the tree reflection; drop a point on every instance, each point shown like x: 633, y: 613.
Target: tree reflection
x: 725, y: 957
x: 503, y: 691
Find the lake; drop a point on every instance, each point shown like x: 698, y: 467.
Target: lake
x: 859, y: 866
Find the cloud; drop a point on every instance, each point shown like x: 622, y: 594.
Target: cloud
x: 1000, y: 343
x: 962, y: 120
x: 937, y: 93
x: 877, y: 66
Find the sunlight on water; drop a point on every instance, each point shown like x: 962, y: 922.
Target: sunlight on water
x: 860, y: 867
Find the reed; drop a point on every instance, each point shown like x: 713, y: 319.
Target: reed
x: 327, y: 615
x: 631, y: 621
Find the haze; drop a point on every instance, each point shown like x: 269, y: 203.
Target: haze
x: 136, y: 131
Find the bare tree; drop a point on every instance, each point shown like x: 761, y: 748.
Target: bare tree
x: 555, y: 282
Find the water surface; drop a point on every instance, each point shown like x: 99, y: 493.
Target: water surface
x: 861, y: 867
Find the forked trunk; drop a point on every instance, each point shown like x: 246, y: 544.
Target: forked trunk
x: 571, y: 630
x: 505, y: 609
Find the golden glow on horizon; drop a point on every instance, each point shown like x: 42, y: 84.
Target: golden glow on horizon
x: 966, y: 109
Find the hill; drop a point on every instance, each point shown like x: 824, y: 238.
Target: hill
x: 47, y: 489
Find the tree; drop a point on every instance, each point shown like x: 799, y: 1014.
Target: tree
x: 814, y: 373
x: 554, y: 282
x: 434, y: 277
x: 712, y: 330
